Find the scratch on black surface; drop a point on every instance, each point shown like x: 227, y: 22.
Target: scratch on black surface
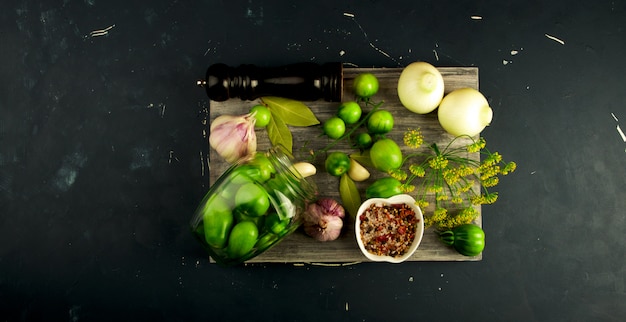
x: 351, y: 16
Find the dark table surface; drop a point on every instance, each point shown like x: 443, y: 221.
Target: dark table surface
x: 101, y: 143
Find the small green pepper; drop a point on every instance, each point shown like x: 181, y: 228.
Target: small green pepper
x: 468, y: 239
x: 384, y: 188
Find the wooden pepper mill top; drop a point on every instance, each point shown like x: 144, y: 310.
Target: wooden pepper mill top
x: 301, y: 81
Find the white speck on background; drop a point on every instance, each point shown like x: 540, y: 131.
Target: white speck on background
x: 347, y: 308
x: 347, y: 14
x: 619, y: 130
x: 555, y: 39
x: 533, y: 172
x: 514, y: 52
x: 436, y: 55
x: 410, y: 278
x: 342, y: 52
x: 506, y: 62
x: 476, y: 18
x: 614, y: 117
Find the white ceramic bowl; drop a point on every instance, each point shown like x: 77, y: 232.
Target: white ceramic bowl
x: 419, y: 230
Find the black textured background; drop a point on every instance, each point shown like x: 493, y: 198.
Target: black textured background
x: 101, y: 145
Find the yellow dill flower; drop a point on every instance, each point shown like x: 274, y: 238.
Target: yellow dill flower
x: 489, y: 172
x: 476, y: 146
x: 457, y: 200
x: 451, y: 176
x: 413, y: 138
x: 464, y: 170
x: 397, y: 174
x: 407, y: 188
x: 477, y: 200
x: 441, y: 197
x: 509, y: 167
x: 435, y: 188
x: 440, y: 214
x: 490, y: 198
x: 417, y: 170
x: 467, y: 186
x: 428, y: 221
x: 438, y: 162
x: 422, y: 204
x: 490, y: 182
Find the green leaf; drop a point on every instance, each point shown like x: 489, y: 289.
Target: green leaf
x: 349, y: 193
x: 279, y: 133
x: 292, y: 112
x: 362, y: 158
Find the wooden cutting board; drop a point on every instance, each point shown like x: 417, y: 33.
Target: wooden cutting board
x: 298, y: 247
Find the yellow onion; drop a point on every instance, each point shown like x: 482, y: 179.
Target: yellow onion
x: 464, y: 111
x: 233, y: 137
x: 420, y: 87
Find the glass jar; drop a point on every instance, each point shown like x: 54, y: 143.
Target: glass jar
x: 252, y: 206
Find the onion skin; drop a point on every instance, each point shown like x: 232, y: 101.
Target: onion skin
x: 464, y: 111
x: 420, y: 87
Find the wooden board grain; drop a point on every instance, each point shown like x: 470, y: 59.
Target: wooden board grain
x: 299, y: 248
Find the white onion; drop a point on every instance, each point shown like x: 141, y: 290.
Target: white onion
x: 464, y: 111
x: 420, y: 87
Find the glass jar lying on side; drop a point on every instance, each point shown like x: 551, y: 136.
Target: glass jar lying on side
x: 252, y: 206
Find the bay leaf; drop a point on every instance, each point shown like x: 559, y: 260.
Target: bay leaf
x: 292, y: 112
x: 363, y: 158
x: 350, y: 197
x: 279, y: 133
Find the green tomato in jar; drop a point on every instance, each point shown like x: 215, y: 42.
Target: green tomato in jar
x: 217, y: 222
x: 275, y: 224
x: 264, y: 165
x: 266, y: 240
x: 242, y: 239
x: 386, y: 155
x: 252, y: 200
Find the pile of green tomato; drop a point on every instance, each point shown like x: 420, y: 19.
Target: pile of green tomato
x: 384, y: 153
x: 247, y: 210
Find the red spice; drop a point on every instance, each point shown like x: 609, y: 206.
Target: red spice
x: 388, y: 229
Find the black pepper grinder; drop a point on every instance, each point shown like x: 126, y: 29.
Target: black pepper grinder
x: 301, y: 81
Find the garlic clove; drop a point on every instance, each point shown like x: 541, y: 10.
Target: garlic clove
x: 233, y: 137
x: 305, y: 169
x: 357, y: 172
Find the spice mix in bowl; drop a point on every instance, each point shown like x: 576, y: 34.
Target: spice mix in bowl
x: 389, y: 229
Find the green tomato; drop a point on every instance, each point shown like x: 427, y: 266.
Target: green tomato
x: 468, y: 239
x: 365, y: 85
x: 384, y: 188
x: 262, y: 115
x: 337, y: 163
x: 265, y: 166
x: 217, y: 222
x: 380, y: 122
x: 334, y: 127
x: 242, y: 239
x: 386, y: 155
x: 252, y: 200
x: 349, y: 112
x: 363, y: 141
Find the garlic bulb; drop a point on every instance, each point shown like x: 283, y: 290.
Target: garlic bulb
x: 323, y: 219
x: 464, y: 111
x: 233, y: 137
